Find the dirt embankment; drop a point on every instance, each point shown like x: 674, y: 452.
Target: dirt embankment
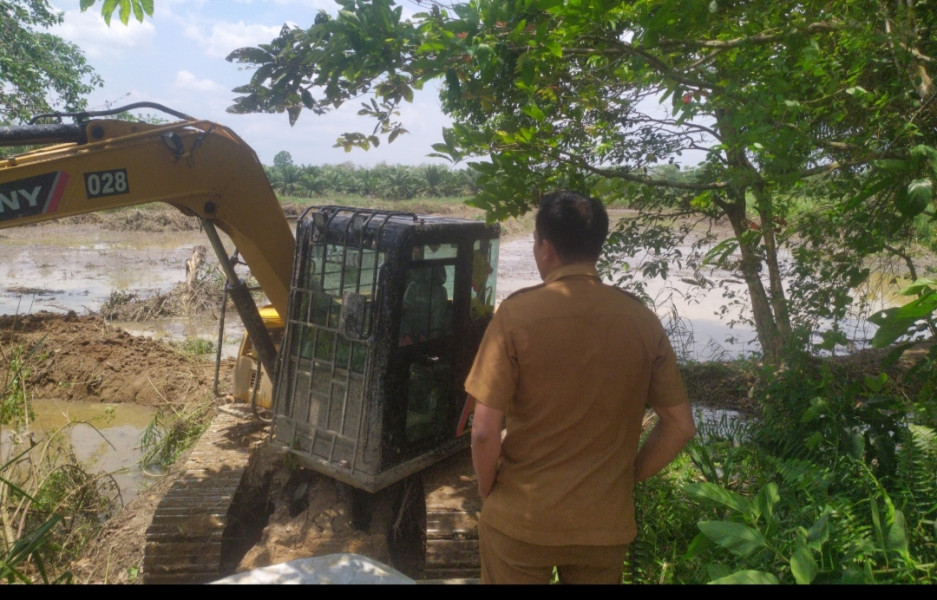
x: 84, y: 358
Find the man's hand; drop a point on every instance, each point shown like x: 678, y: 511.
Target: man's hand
x: 674, y: 429
x: 486, y: 445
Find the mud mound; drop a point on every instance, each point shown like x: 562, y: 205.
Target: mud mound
x: 152, y: 219
x: 310, y: 515
x: 202, y: 299
x: 199, y: 295
x: 84, y: 358
x: 155, y: 218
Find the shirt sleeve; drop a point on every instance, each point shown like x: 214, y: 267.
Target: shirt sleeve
x: 493, y: 378
x: 666, y: 387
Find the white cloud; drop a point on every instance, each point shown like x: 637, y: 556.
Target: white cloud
x: 187, y: 81
x: 89, y: 31
x: 223, y: 37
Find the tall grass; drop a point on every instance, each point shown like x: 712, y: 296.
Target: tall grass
x: 49, y: 505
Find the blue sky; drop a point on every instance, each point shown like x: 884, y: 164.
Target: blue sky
x: 177, y: 59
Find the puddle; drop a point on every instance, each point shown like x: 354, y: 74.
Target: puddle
x: 105, y: 438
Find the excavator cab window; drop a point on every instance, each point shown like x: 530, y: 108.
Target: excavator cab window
x: 331, y: 272
x: 427, y: 299
x: 426, y: 323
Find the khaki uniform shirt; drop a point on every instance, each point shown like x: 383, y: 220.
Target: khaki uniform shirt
x: 572, y: 362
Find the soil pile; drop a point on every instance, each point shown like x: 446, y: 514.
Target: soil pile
x: 83, y: 358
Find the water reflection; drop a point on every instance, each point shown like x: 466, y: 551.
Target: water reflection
x: 104, y: 438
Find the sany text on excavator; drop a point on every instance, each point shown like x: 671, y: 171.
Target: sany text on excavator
x: 382, y: 311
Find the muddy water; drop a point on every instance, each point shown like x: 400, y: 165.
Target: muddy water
x: 77, y: 267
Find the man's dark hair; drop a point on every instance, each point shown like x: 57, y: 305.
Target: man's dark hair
x: 576, y: 224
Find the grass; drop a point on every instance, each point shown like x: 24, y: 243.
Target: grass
x: 197, y: 346
x: 172, y: 432
x: 50, y: 506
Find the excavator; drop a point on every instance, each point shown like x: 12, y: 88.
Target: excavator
x: 373, y: 321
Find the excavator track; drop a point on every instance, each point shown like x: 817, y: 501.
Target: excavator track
x: 452, y: 508
x: 186, y: 538
x: 189, y: 535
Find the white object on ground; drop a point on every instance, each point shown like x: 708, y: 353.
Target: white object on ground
x: 332, y: 568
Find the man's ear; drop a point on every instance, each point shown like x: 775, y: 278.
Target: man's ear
x: 551, y: 259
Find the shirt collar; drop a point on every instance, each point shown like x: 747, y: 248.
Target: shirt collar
x: 570, y: 270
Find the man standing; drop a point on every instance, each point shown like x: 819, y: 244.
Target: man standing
x: 570, y: 364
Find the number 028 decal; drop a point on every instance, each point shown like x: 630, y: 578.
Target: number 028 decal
x: 106, y: 183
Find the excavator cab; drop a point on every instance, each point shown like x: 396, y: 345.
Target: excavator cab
x: 386, y: 312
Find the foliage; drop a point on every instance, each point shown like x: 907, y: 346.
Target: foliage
x: 197, y: 346
x: 14, y: 408
x: 172, y: 432
x: 666, y: 526
x: 600, y: 94
x: 49, y: 505
x: 39, y: 72
x: 833, y: 483
x: 381, y: 182
x: 138, y: 8
x: 910, y: 323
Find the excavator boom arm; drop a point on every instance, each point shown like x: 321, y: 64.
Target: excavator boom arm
x: 201, y: 168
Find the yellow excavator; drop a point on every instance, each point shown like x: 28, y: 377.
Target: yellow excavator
x: 374, y: 316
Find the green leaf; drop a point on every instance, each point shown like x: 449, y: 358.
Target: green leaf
x: 919, y: 287
x: 876, y: 384
x: 703, y: 200
x: 718, y: 254
x: 737, y: 538
x: 897, y: 538
x: 700, y: 543
x: 711, y: 492
x: 533, y: 111
x: 803, y: 565
x: 749, y: 577
x: 877, y: 523
x: 819, y: 532
x: 107, y: 9
x: 125, y: 11
x: 86, y: 4
x: 818, y: 407
x: 896, y: 322
x: 920, y: 191
x: 767, y: 497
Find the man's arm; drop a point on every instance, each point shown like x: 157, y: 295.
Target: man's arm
x: 674, y: 429
x: 486, y: 445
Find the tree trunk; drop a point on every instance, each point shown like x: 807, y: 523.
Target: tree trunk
x: 769, y: 337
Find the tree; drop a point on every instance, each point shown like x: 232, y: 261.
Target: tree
x: 283, y: 159
x: 39, y: 72
x: 776, y: 97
